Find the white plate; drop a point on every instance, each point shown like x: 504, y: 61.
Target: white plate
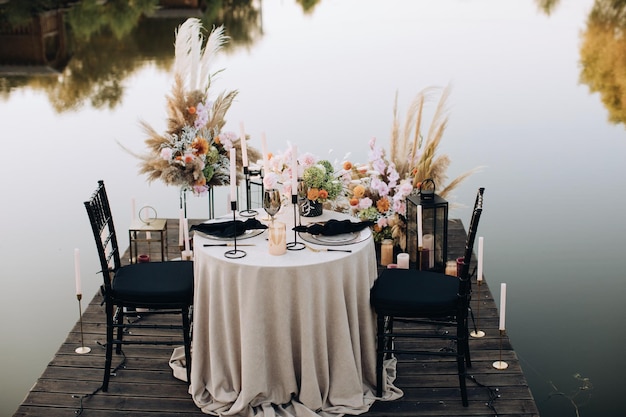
x: 245, y: 235
x: 337, y: 240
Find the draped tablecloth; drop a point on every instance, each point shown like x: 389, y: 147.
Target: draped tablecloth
x: 289, y: 335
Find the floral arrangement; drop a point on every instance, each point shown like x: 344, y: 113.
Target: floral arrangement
x: 320, y: 182
x: 193, y: 153
x: 378, y: 189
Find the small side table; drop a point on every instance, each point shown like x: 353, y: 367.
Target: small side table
x: 138, y: 233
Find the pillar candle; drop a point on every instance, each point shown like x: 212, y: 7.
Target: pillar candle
x: 244, y: 146
x: 266, y: 164
x: 420, y: 242
x: 502, y: 305
x: 79, y: 289
x: 403, y: 261
x: 181, y: 225
x: 479, y: 273
x: 186, y: 232
x: 294, y: 171
x: 429, y: 243
x: 233, y: 175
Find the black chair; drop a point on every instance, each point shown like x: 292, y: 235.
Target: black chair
x: 160, y: 287
x: 431, y: 298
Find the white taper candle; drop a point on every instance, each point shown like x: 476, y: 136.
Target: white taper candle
x: 479, y: 270
x: 502, y: 306
x: 266, y: 162
x: 420, y: 242
x: 186, y: 233
x: 79, y: 287
x: 233, y: 175
x: 181, y: 226
x: 294, y: 171
x: 244, y: 146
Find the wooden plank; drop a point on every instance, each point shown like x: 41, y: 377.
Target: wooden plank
x: 147, y: 388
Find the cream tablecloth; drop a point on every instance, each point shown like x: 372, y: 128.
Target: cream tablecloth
x: 289, y: 335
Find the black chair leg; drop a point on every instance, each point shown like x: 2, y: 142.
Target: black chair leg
x: 108, y: 348
x: 119, y: 321
x: 380, y: 347
x: 187, y: 342
x: 461, y: 357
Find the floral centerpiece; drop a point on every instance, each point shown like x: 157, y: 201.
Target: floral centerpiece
x: 378, y: 189
x: 193, y: 152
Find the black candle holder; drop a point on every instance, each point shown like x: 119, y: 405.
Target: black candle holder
x: 234, y: 253
x: 295, y: 245
x: 248, y: 212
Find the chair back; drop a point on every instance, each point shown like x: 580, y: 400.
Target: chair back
x: 464, y: 278
x: 101, y: 220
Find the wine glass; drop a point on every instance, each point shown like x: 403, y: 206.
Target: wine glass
x: 271, y: 202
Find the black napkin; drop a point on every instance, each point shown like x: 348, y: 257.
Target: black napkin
x: 334, y: 227
x: 228, y: 229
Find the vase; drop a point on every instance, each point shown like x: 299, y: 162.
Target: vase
x: 310, y: 208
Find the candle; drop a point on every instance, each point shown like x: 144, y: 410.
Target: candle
x: 403, y: 261
x: 181, y: 226
x: 244, y: 146
x: 479, y: 273
x: 429, y: 243
x: 420, y: 243
x: 294, y: 171
x: 133, y: 209
x: 186, y: 232
x: 233, y: 175
x: 79, y: 289
x: 266, y: 166
x: 146, y: 214
x: 502, y: 305
x: 386, y: 252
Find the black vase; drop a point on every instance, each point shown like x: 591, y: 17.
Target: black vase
x: 310, y: 208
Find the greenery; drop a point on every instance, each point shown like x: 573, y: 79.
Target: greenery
x: 321, y: 183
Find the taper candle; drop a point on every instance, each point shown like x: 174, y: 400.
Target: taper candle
x: 79, y: 288
x: 294, y: 171
x: 181, y: 225
x: 133, y: 208
x: 266, y: 162
x: 420, y: 242
x: 502, y: 306
x: 233, y: 175
x: 479, y: 273
x: 244, y: 146
x: 146, y: 213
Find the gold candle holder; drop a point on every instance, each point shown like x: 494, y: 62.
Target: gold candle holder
x: 82, y: 348
x: 500, y: 364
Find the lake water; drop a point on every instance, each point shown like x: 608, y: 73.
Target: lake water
x: 325, y: 79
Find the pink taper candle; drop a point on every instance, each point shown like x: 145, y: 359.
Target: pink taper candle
x: 266, y: 163
x: 479, y: 269
x: 244, y: 146
x: 420, y: 238
x: 233, y: 175
x: 502, y: 306
x: 294, y: 171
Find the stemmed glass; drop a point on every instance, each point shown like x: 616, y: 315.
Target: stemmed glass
x: 271, y: 202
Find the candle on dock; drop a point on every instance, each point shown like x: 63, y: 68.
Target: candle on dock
x: 181, y: 225
x: 294, y: 171
x: 233, y: 175
x: 420, y: 242
x: 244, y: 146
x: 479, y: 273
x: 501, y: 327
x: 79, y: 288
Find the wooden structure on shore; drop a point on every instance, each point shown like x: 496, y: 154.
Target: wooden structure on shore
x: 147, y: 388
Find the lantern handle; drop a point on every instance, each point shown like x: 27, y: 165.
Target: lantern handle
x: 426, y: 181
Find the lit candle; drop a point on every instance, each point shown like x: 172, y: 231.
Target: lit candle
x: 502, y: 305
x: 266, y: 163
x: 79, y: 289
x: 181, y: 226
x: 420, y: 242
x: 294, y: 171
x: 479, y: 273
x: 244, y: 146
x: 186, y: 232
x: 233, y: 175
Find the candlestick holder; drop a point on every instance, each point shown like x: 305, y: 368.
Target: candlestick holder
x: 419, y: 257
x: 295, y: 245
x: 248, y: 212
x: 478, y: 333
x: 82, y: 348
x: 234, y: 253
x: 500, y: 364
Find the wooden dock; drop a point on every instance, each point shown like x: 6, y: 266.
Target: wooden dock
x: 146, y: 387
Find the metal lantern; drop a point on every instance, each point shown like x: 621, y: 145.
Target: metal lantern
x: 434, y: 228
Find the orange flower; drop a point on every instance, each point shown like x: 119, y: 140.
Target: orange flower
x: 312, y: 193
x: 382, y: 205
x: 354, y: 201
x: 200, y: 146
x: 347, y: 165
x: 217, y: 140
x: 323, y: 194
x: 377, y: 228
x: 358, y: 191
x: 188, y: 158
x: 191, y: 110
x: 200, y: 181
x: 269, y: 155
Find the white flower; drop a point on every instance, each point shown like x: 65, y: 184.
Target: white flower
x: 166, y: 153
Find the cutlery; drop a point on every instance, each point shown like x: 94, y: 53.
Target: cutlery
x: 327, y: 249
x: 229, y: 244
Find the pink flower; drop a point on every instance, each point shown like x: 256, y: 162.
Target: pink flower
x: 226, y: 139
x: 365, y: 203
x: 271, y: 180
x: 382, y: 222
x: 380, y: 187
x: 307, y: 159
x: 166, y: 153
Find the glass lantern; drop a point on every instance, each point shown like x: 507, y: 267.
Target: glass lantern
x: 434, y: 229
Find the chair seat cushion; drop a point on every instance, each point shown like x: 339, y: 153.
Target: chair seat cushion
x: 413, y: 293
x: 155, y: 283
